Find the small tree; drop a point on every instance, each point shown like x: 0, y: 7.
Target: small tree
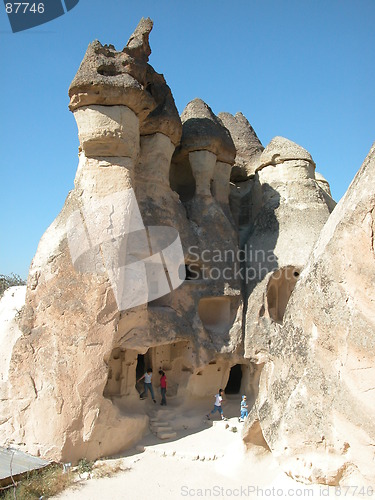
x: 6, y: 281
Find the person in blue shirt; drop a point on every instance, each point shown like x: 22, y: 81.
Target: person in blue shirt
x: 244, y: 411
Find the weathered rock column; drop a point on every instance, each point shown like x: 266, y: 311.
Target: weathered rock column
x: 55, y: 404
x: 221, y: 183
x: 203, y: 165
x: 204, y: 143
x: 157, y: 151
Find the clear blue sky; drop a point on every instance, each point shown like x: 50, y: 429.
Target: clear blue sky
x: 297, y: 68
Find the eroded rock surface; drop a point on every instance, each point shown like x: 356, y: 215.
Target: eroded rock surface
x: 248, y: 146
x: 316, y: 404
x: 87, y: 336
x: 187, y: 246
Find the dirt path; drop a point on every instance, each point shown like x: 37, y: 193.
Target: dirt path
x: 206, y: 460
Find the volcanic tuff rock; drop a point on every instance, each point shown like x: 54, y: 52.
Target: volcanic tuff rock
x: 280, y: 150
x: 107, y: 77
x: 203, y: 130
x: 68, y: 384
x: 289, y: 211
x: 248, y: 146
x: 323, y: 183
x: 316, y: 405
x: 11, y: 304
x: 75, y: 394
x: 291, y: 208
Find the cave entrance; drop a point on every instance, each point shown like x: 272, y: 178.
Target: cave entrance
x: 144, y: 361
x: 234, y: 382
x: 141, y: 367
x: 175, y: 359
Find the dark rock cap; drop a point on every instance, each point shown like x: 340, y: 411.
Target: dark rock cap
x: 248, y: 146
x: 108, y: 77
x: 203, y: 130
x: 281, y: 149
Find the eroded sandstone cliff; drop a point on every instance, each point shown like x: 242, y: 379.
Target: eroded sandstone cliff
x: 186, y: 245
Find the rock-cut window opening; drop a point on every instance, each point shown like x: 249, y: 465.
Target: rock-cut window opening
x: 192, y: 272
x: 279, y: 290
x: 215, y: 313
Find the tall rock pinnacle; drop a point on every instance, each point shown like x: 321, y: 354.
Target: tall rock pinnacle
x: 138, y: 45
x: 110, y: 78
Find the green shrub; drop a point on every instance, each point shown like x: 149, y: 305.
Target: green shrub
x: 6, y: 281
x: 84, y: 465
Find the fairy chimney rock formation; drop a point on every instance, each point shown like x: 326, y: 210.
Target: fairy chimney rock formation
x: 203, y: 131
x: 210, y: 150
x: 108, y: 78
x: 142, y: 267
x: 290, y: 214
x: 291, y: 207
x: 248, y: 146
x: 316, y: 405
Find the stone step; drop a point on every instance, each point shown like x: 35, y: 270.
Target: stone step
x: 166, y: 434
x: 161, y: 428
x: 160, y: 422
x: 161, y: 413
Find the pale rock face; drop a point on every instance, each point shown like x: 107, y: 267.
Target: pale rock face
x: 221, y: 182
x: 71, y: 361
x: 157, y: 150
x: 324, y: 186
x: 316, y: 405
x: 203, y: 165
x: 11, y: 304
x: 108, y: 131
x: 280, y: 150
x: 323, y: 183
x: 291, y: 209
x: 71, y: 389
x: 159, y: 205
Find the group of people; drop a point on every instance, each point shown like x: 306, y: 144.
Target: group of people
x: 147, y: 377
x: 148, y: 386
x: 218, y: 407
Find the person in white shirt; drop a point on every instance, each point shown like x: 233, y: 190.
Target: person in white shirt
x: 148, y: 385
x: 217, y: 405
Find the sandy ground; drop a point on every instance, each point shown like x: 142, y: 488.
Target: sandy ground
x: 206, y: 460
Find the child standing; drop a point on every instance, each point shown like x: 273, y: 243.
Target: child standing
x: 163, y: 387
x: 217, y: 405
x: 244, y: 412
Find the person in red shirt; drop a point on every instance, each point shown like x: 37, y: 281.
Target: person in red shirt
x: 163, y: 387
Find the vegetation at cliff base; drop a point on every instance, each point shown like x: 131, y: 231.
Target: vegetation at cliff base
x: 6, y: 281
